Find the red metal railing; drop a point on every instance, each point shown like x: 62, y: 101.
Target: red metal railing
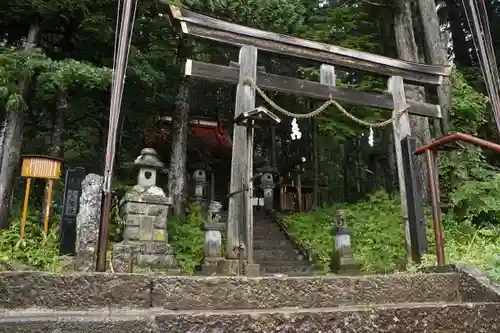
x: 430, y: 151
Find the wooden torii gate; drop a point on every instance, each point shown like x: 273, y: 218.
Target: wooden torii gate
x: 251, y: 40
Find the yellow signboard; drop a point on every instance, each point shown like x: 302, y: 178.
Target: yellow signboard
x: 41, y: 167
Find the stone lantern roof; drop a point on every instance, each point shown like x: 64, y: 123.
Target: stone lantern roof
x: 148, y: 159
x: 267, y: 168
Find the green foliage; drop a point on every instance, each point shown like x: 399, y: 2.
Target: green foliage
x: 377, y: 238
x: 313, y: 231
x: 476, y: 202
x: 186, y: 236
x: 35, y: 252
x: 468, y: 181
x: 72, y: 74
x: 467, y: 244
x: 469, y: 107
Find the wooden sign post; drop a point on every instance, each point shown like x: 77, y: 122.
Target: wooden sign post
x: 44, y: 167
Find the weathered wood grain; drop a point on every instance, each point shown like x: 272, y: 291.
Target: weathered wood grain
x: 401, y: 127
x: 213, y: 29
x: 245, y: 101
x: 229, y: 74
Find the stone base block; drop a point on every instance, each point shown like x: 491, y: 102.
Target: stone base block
x: 252, y: 270
x: 85, y: 261
x: 156, y: 261
x: 345, y: 265
x: 229, y: 267
x: 153, y: 255
x: 122, y: 258
x: 210, y: 266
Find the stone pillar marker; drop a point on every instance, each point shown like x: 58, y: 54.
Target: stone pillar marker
x: 87, y: 222
x: 213, y: 238
x: 144, y: 211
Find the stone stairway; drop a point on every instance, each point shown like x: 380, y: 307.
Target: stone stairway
x: 455, y: 302
x: 274, y: 251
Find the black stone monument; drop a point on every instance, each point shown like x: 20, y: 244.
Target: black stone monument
x: 72, y: 193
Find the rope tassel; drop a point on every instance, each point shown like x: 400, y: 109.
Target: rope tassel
x: 296, y: 134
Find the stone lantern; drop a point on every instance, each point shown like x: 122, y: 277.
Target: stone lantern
x: 144, y: 212
x: 199, y: 176
x: 267, y: 185
x: 200, y: 182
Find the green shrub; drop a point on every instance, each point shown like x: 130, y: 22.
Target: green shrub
x: 35, y: 252
x: 186, y: 236
x: 313, y: 231
x: 476, y: 202
x: 468, y: 244
x: 378, y: 236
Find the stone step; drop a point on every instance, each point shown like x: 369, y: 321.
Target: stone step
x: 273, y: 245
x: 390, y: 318
x: 246, y: 293
x: 272, y: 241
x: 289, y: 269
x: 80, y: 291
x: 278, y: 254
x: 273, y: 234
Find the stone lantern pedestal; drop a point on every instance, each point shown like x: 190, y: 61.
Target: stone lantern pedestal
x: 213, y: 239
x: 144, y: 212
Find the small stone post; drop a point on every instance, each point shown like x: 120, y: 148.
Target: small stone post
x: 213, y: 238
x: 144, y: 211
x: 87, y: 222
x: 343, y: 259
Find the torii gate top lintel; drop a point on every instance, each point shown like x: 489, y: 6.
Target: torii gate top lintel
x: 206, y: 27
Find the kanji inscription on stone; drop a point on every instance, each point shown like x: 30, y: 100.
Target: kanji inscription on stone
x: 72, y: 193
x: 71, y: 205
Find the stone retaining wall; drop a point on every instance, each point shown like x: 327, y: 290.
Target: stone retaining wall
x: 451, y: 318
x: 135, y: 291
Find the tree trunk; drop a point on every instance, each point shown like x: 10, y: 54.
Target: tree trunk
x: 178, y: 159
x: 3, y: 132
x: 407, y: 50
x: 62, y: 106
x: 437, y: 53
x: 13, y: 139
x: 55, y: 149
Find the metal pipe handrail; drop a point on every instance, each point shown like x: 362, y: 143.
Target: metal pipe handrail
x: 458, y: 137
x: 430, y: 151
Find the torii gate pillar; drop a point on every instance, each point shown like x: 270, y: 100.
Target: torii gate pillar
x: 237, y: 212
